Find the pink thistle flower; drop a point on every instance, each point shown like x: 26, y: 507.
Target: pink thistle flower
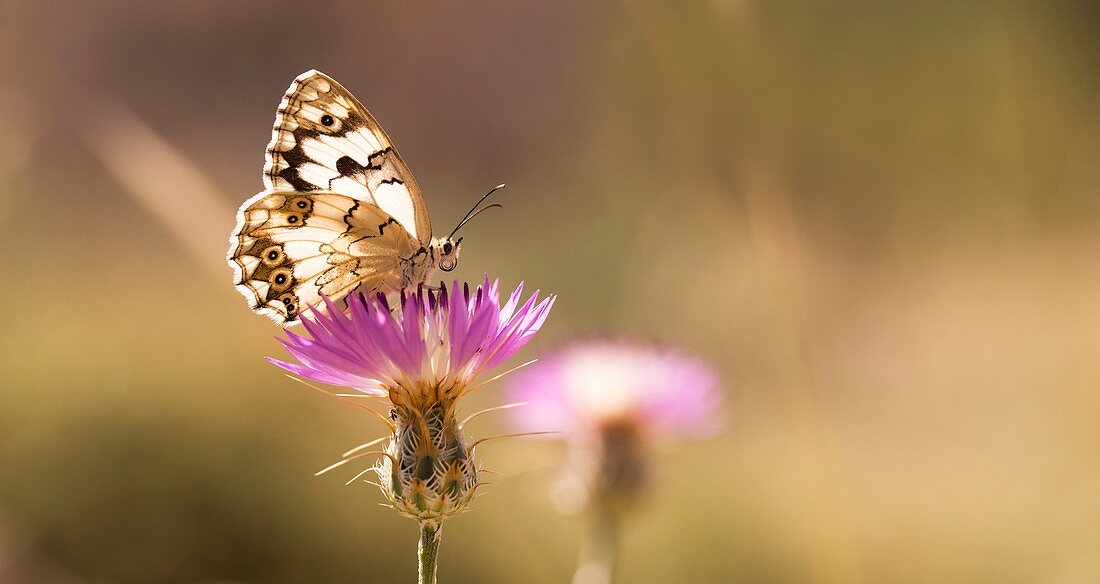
x: 610, y: 400
x: 422, y: 357
x: 591, y: 384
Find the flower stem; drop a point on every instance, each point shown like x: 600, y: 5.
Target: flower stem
x: 598, y: 556
x: 428, y: 551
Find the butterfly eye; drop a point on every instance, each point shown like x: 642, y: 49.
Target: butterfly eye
x: 326, y: 120
x: 447, y: 248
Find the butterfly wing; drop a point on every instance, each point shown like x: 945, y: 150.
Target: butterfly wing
x: 290, y: 247
x: 325, y: 140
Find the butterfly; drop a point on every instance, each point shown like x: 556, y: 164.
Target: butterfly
x: 340, y: 211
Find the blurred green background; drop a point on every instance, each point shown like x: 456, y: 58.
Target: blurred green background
x: 877, y: 218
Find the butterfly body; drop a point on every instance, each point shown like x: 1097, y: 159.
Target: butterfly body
x: 341, y: 210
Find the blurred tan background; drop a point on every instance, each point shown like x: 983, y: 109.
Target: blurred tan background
x: 877, y: 218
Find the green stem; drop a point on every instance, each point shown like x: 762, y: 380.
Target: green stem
x: 599, y: 554
x: 427, y: 552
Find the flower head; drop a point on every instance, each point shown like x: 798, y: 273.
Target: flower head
x: 611, y: 399
x: 422, y: 356
x: 439, y: 339
x: 592, y: 384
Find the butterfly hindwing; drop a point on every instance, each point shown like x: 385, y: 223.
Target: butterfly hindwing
x: 290, y: 247
x: 325, y: 140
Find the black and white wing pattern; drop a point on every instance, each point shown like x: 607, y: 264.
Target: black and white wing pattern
x: 290, y: 247
x: 325, y: 140
x: 340, y: 211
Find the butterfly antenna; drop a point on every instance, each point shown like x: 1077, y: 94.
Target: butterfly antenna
x: 479, y: 212
x: 474, y: 211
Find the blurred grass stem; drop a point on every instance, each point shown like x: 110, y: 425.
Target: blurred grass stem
x: 162, y: 179
x: 600, y: 552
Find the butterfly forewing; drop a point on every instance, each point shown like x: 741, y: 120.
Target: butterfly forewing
x: 325, y: 140
x: 290, y: 247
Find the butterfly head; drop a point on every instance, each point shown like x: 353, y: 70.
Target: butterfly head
x: 446, y: 248
x: 446, y: 252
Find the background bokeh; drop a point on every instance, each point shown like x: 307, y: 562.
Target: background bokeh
x: 877, y: 218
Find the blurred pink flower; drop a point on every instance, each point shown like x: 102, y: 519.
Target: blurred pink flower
x: 591, y: 385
